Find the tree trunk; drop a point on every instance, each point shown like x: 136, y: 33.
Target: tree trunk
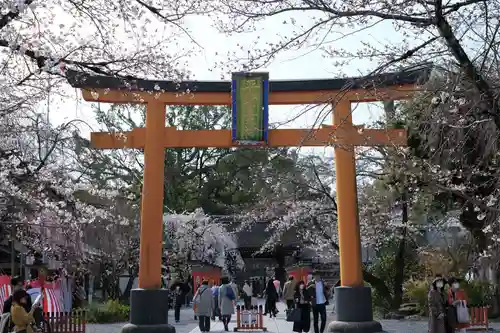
x: 378, y: 284
x: 399, y: 261
x: 125, y: 297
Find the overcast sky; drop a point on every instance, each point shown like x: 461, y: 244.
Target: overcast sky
x: 302, y: 64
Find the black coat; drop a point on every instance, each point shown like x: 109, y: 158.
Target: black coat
x: 304, y: 324
x: 271, y: 293
x: 305, y: 292
x: 311, y: 288
x: 184, y: 287
x: 179, y: 297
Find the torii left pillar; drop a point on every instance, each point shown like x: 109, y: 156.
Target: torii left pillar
x: 149, y: 303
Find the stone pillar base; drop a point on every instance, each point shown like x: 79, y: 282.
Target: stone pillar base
x: 148, y: 312
x: 355, y: 327
x: 354, y: 311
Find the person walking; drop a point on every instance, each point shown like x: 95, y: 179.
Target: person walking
x: 204, y: 306
x: 235, y: 290
x: 289, y: 292
x: 179, y: 298
x: 189, y: 290
x: 262, y: 286
x: 456, y: 295
x: 436, y: 301
x: 215, y: 296
x: 247, y: 295
x: 271, y: 299
x: 318, y: 292
x: 302, y: 301
x: 226, y: 302
x: 277, y: 285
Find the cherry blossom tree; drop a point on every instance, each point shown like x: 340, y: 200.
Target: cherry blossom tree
x: 463, y: 32
x: 458, y: 36
x: 40, y: 197
x: 40, y: 43
x: 41, y: 40
x: 197, y: 237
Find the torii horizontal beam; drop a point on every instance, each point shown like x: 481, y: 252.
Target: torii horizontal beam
x: 325, y: 136
x: 275, y: 98
x: 381, y: 87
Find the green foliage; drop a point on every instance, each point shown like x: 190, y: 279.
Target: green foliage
x: 384, y: 268
x: 110, y: 312
x: 415, y: 291
x: 478, y: 293
x: 221, y: 181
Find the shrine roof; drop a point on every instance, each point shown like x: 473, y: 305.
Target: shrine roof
x: 256, y: 235
x: 405, y: 77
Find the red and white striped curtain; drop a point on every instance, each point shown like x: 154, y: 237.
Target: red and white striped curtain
x: 5, y: 289
x: 52, y: 293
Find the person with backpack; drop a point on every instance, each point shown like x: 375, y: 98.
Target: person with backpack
x: 204, y: 306
x: 226, y: 302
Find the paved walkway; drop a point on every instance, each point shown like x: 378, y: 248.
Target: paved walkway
x: 278, y: 325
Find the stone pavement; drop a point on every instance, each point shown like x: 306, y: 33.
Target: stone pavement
x: 186, y: 325
x: 278, y: 325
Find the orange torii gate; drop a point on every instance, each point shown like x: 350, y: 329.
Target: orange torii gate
x: 249, y: 94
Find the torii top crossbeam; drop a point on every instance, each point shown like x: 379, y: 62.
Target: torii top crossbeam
x: 388, y: 86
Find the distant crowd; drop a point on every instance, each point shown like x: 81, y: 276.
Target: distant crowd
x: 217, y: 302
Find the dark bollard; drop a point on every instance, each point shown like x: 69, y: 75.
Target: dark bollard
x: 354, y: 316
x: 148, y: 312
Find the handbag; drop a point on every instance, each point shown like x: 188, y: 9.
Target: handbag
x: 294, y: 315
x: 462, y: 313
x: 451, y: 316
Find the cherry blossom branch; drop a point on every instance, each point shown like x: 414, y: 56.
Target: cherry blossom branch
x: 13, y: 14
x: 47, y: 64
x: 465, y: 62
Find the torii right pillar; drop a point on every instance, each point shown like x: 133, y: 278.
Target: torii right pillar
x: 353, y: 300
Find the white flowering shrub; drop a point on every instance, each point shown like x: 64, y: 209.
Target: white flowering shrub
x: 195, y: 236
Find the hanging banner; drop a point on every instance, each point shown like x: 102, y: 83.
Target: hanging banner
x: 250, y: 108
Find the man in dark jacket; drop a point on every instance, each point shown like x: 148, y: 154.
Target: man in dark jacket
x: 319, y: 293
